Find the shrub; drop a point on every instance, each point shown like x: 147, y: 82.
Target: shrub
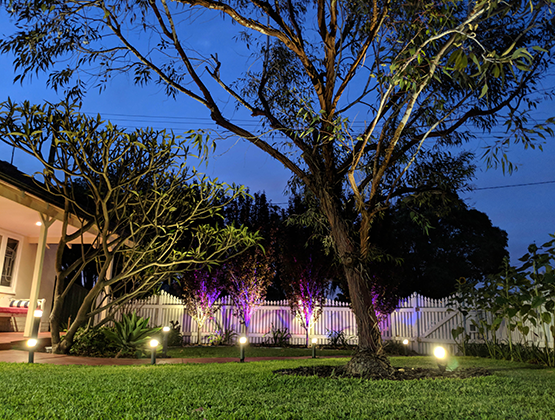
x: 337, y: 338
x: 278, y: 337
x: 92, y: 342
x: 175, y: 337
x: 394, y: 348
x: 221, y: 337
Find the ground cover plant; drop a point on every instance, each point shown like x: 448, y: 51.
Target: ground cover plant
x: 252, y: 391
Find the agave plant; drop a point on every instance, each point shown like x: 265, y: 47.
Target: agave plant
x: 131, y: 334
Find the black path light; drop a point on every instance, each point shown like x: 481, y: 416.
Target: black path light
x: 165, y: 332
x: 31, y: 345
x: 242, y: 343
x: 153, y: 344
x: 314, y: 341
x: 406, y: 345
x: 441, y: 356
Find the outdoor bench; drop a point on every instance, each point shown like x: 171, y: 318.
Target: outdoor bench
x: 18, y: 307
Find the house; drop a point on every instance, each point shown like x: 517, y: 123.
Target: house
x: 30, y: 230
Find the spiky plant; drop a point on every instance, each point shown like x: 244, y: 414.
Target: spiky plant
x: 131, y: 334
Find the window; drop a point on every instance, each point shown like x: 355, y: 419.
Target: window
x: 9, y: 253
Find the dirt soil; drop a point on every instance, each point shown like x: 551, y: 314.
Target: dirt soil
x: 399, y: 374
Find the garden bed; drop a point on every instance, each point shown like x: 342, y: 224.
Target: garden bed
x: 398, y: 374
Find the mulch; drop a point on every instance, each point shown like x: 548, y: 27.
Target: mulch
x: 398, y: 374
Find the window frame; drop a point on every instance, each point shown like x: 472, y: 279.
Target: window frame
x: 5, y: 234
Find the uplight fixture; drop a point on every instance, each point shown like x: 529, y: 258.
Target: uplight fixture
x: 406, y: 344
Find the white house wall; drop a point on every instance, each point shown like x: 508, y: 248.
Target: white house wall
x: 24, y: 279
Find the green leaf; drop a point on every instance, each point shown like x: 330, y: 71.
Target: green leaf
x: 524, y: 330
x: 537, y: 301
x: 484, y: 90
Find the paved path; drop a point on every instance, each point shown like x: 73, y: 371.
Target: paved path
x: 21, y: 356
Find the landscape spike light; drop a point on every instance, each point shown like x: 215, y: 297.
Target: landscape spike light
x: 406, y: 345
x: 242, y: 342
x: 31, y: 344
x: 165, y: 331
x: 314, y: 341
x: 153, y: 344
x: 441, y: 355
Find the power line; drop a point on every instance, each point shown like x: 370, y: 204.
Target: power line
x: 514, y: 185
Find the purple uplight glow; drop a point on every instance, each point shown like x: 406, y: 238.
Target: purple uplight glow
x: 307, y: 295
x: 250, y: 275
x: 247, y: 298
x: 207, y: 296
x: 202, y: 290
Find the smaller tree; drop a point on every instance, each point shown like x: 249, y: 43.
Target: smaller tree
x: 307, y: 291
x: 148, y: 214
x: 201, y: 291
x: 250, y: 275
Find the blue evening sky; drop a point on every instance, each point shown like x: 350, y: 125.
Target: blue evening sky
x: 527, y: 213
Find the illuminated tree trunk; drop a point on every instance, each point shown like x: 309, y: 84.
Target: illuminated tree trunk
x: 370, y: 356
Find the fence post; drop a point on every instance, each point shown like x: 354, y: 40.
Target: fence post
x: 416, y: 309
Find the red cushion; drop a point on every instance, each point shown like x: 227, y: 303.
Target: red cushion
x: 14, y: 311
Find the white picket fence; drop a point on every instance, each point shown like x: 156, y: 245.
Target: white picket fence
x: 423, y: 321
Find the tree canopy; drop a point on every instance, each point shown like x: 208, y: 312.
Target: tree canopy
x: 458, y: 243
x: 420, y: 75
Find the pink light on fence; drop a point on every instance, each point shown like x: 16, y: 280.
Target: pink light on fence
x: 202, y: 290
x: 307, y: 295
x: 207, y: 295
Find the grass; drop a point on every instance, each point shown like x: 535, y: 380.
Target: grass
x: 252, y: 351
x: 251, y: 391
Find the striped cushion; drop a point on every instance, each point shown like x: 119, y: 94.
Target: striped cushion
x: 19, y: 304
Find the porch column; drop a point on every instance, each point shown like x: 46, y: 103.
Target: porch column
x: 37, y: 273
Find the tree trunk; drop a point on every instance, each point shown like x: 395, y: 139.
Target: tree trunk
x: 370, y: 356
x: 62, y: 346
x: 57, y: 307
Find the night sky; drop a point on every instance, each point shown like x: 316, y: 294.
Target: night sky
x: 527, y: 213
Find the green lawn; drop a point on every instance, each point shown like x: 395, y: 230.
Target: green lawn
x: 252, y: 351
x: 251, y: 391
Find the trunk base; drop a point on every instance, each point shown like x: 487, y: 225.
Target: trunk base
x: 365, y: 362
x: 60, y: 348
